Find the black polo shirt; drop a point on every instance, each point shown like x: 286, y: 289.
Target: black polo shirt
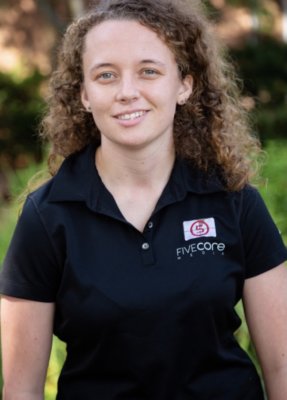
x: 145, y: 315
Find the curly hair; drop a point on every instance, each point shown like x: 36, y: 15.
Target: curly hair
x: 211, y: 129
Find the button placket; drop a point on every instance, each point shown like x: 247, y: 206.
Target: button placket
x: 146, y: 246
x: 150, y: 225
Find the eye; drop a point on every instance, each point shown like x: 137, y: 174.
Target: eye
x: 150, y: 73
x: 105, y: 76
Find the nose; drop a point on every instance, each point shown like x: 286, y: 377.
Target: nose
x: 127, y: 90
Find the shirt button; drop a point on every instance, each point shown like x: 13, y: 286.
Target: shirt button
x: 145, y: 246
x: 150, y: 225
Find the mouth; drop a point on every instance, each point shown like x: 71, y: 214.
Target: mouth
x: 130, y: 116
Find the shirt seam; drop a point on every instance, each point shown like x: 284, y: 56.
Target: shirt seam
x: 46, y: 230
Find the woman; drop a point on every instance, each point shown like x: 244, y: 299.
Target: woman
x: 137, y: 250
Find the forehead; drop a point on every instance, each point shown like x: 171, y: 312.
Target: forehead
x: 126, y: 36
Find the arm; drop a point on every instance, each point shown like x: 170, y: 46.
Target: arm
x: 26, y: 333
x: 265, y: 303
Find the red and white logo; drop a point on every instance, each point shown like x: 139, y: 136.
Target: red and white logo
x: 199, y: 228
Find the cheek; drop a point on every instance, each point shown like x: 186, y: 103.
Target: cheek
x: 170, y: 92
x: 165, y: 97
x: 99, y: 97
x: 100, y: 118
x: 169, y: 100
x: 100, y: 103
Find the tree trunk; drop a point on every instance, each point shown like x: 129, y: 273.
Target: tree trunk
x: 77, y: 8
x: 284, y: 20
x: 51, y: 15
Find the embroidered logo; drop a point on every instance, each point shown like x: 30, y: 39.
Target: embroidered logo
x: 199, y: 228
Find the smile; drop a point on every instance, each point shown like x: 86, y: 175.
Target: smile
x: 129, y: 117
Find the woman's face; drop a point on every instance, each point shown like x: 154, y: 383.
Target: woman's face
x: 131, y: 84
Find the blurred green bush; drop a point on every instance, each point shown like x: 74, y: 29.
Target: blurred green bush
x: 274, y: 187
x: 263, y: 68
x: 21, y: 104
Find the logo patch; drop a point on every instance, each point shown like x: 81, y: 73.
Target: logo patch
x: 199, y: 228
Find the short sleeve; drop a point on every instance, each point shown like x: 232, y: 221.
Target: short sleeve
x: 263, y: 244
x: 30, y: 269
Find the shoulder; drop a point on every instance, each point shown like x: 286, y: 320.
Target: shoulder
x: 40, y: 196
x: 251, y: 201
x: 72, y: 182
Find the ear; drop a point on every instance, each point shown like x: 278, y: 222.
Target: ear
x: 185, y: 90
x: 85, y: 98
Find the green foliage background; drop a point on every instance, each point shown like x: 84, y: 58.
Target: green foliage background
x: 263, y: 69
x: 21, y: 104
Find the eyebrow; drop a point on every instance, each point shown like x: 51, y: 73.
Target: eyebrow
x: 111, y: 65
x: 151, y: 61
x: 101, y: 65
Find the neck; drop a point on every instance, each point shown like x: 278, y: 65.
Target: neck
x: 135, y: 168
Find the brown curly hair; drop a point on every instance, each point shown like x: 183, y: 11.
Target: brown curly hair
x: 211, y: 129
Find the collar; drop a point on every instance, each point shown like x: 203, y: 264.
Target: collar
x: 78, y: 181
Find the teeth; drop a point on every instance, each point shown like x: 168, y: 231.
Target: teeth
x: 127, y: 117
